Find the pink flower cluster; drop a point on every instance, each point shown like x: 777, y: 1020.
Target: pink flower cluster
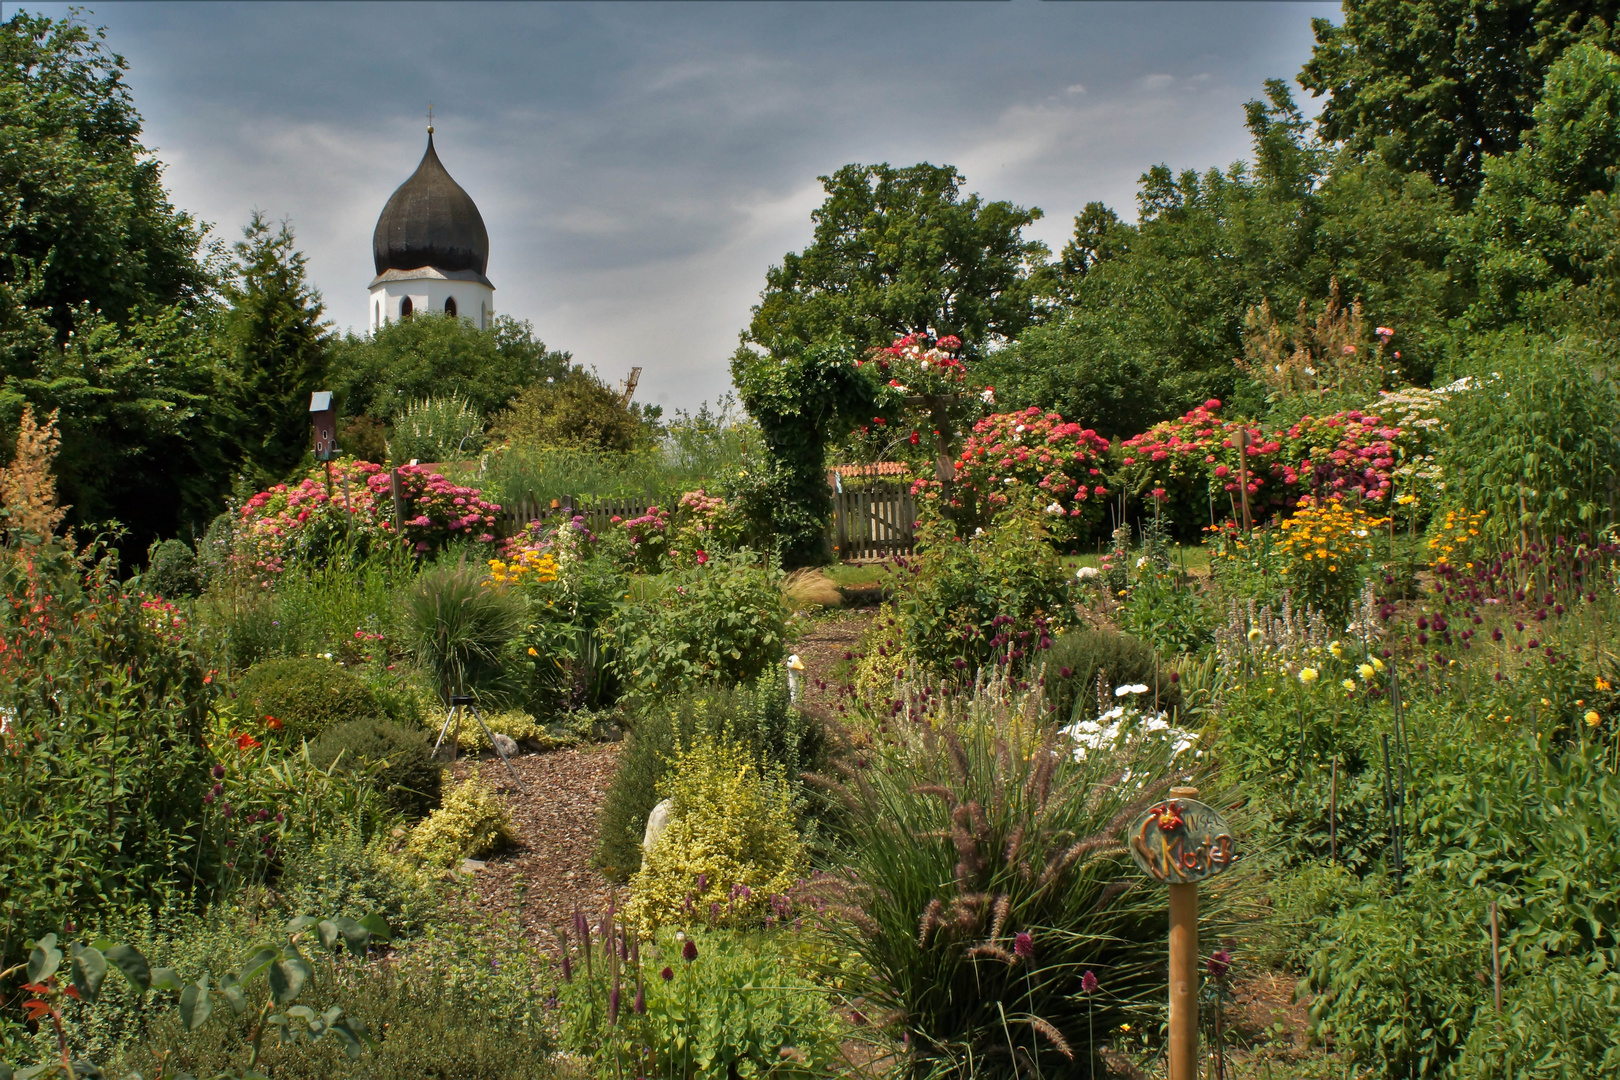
x: 920, y: 364
x: 280, y: 522
x: 1035, y: 457
x: 1326, y: 457
x: 436, y: 509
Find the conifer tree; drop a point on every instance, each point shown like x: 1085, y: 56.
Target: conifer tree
x: 276, y: 349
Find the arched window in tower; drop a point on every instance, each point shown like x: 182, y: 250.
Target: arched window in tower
x: 450, y: 306
x: 405, y: 308
x: 378, y: 321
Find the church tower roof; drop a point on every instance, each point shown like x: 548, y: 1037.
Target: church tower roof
x: 430, y: 222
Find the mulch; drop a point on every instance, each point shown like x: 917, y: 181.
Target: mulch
x: 556, y: 827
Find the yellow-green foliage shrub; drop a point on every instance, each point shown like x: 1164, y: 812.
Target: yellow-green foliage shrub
x: 472, y: 820
x: 732, y: 842
x: 514, y: 723
x: 882, y: 657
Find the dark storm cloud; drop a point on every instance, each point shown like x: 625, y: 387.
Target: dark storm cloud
x: 639, y: 166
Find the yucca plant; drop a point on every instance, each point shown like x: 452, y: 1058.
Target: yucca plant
x: 987, y: 879
x: 459, y: 627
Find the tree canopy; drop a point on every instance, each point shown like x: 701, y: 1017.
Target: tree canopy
x: 902, y: 250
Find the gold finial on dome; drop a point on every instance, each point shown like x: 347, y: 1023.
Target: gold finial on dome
x: 430, y: 118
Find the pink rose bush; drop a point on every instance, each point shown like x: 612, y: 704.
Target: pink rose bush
x: 304, y: 520
x: 918, y: 364
x: 1032, y: 460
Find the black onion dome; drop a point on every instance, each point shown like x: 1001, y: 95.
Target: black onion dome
x: 430, y: 221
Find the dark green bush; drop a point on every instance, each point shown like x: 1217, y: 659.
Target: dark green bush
x: 171, y: 570
x: 758, y: 716
x: 1398, y: 979
x: 1076, y: 658
x: 1560, y: 1022
x: 407, y: 776
x: 422, y: 1034
x: 307, y: 695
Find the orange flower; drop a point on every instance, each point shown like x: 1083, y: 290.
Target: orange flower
x: 273, y: 724
x: 246, y: 742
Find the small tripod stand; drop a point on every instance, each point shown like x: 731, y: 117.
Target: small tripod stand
x: 459, y: 704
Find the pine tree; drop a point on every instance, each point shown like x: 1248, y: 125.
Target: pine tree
x: 276, y: 347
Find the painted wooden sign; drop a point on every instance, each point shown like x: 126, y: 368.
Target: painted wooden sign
x: 1181, y: 841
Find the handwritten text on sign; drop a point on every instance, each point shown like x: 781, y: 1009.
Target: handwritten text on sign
x: 1181, y: 841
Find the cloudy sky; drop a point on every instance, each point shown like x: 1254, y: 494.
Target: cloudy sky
x: 639, y: 166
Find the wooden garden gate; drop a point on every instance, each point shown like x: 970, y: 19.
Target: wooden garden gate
x: 874, y: 524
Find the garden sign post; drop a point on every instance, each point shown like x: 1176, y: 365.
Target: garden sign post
x: 1180, y: 842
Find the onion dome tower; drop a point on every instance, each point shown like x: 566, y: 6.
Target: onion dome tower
x: 431, y: 249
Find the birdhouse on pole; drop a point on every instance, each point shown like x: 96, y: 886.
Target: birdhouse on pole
x: 324, y: 417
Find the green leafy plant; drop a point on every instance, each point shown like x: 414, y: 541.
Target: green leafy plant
x: 721, y: 621
x: 472, y: 821
x: 437, y: 429
x: 171, y: 570
x: 406, y: 774
x: 1071, y: 668
x: 305, y: 696
x: 697, y: 1006
x: 286, y: 970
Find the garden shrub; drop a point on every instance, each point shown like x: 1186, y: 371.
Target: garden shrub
x: 740, y: 1007
x: 102, y: 811
x: 721, y: 621
x: 1070, y: 668
x: 307, y: 696
x: 1326, y: 550
x: 1033, y: 460
x: 1534, y: 441
x: 472, y: 821
x: 343, y: 870
x: 731, y: 845
x: 460, y: 628
x: 171, y: 570
x: 1557, y: 1023
x: 405, y: 772
x: 758, y: 716
x: 993, y: 599
x: 437, y: 429
x: 1399, y: 979
x: 882, y: 658
x: 986, y: 876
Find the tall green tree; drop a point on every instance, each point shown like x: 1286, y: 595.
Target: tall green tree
x: 106, y: 298
x: 1530, y: 232
x: 1437, y: 86
x: 275, y: 347
x: 1152, y: 313
x: 902, y: 250
x: 434, y: 355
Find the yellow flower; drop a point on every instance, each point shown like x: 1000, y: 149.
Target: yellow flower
x: 532, y: 651
x: 1307, y: 676
x: 1602, y: 683
x: 1254, y: 635
x: 1406, y: 500
x: 1366, y: 672
x: 1592, y: 718
x: 1378, y: 665
x: 1349, y: 685
x: 1336, y: 649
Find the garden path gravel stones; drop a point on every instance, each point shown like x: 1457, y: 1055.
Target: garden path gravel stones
x: 556, y: 827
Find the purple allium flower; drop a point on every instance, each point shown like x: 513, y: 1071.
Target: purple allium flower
x: 1024, y: 944
x: 1219, y: 964
x: 689, y: 951
x: 702, y: 882
x: 209, y: 797
x: 219, y: 771
x: 1088, y: 983
x: 667, y: 974
x: 640, y: 1005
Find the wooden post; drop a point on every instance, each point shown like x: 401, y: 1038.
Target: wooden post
x: 399, y: 503
x: 1333, y: 813
x: 1183, y: 1049
x: 1243, y: 473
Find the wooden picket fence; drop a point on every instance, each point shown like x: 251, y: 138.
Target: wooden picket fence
x: 875, y: 524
